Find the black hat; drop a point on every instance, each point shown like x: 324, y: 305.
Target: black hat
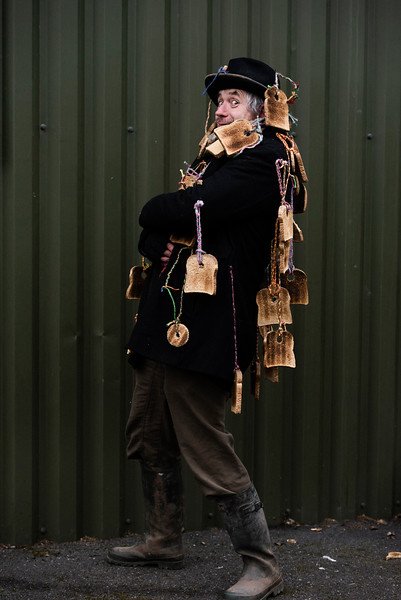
x: 241, y: 73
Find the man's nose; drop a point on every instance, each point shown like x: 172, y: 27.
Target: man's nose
x: 221, y: 110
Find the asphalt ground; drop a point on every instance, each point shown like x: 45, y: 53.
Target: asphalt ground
x: 330, y: 561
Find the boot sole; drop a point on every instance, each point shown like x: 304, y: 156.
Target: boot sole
x: 159, y: 563
x: 275, y: 591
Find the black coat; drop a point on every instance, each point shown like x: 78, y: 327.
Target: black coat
x: 241, y: 199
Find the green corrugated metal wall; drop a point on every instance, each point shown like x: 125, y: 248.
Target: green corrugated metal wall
x: 101, y: 105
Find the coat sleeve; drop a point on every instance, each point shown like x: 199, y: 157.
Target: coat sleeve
x: 245, y: 186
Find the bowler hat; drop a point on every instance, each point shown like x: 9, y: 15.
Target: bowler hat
x: 246, y: 74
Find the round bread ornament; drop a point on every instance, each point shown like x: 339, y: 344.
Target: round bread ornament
x: 177, y: 334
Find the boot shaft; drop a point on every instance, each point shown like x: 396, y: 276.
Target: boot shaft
x: 245, y: 520
x: 246, y: 525
x: 163, y: 494
x: 162, y: 547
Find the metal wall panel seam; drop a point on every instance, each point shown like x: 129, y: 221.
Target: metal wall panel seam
x: 125, y: 136
x: 328, y: 253
x: 367, y: 274
x: 229, y: 39
x: 309, y: 67
x: 274, y: 411
x: 113, y: 258
x: 69, y: 334
x: 35, y: 270
x: 81, y: 197
x: 384, y: 262
x: 393, y: 136
x: 396, y: 123
x: 350, y: 172
x: 93, y: 266
x: 184, y: 121
x: 18, y: 307
x: 90, y: 464
x: 341, y: 177
x: 2, y: 282
x: 2, y: 92
x: 59, y: 270
x: 47, y: 483
x: 106, y: 279
x: 149, y: 170
x: 227, y: 27
x: 133, y: 509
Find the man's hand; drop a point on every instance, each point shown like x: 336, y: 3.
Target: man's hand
x: 167, y: 253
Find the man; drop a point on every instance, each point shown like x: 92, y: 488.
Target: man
x: 189, y: 342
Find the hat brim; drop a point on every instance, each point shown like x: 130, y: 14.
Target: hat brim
x: 215, y: 82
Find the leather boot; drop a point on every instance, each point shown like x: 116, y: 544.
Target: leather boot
x: 164, y: 518
x: 246, y: 524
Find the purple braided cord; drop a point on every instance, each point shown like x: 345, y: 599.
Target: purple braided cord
x: 279, y: 165
x: 236, y: 366
x: 291, y: 256
x: 197, y: 206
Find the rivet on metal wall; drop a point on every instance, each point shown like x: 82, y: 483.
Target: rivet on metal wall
x: 43, y: 126
x: 128, y: 521
x: 130, y: 129
x: 369, y: 136
x: 43, y: 530
x: 363, y: 505
x: 210, y: 515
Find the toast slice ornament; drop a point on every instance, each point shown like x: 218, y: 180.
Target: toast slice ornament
x: 279, y: 349
x: 284, y: 251
x: 236, y: 396
x: 286, y: 223
x: 201, y: 277
x: 276, y: 108
x: 297, y: 285
x: 233, y: 138
x: 201, y: 268
x: 255, y: 378
x: 272, y: 374
x: 216, y: 149
x: 298, y: 235
x: 183, y: 240
x: 301, y: 199
x: 300, y: 167
x: 137, y: 278
x: 273, y: 306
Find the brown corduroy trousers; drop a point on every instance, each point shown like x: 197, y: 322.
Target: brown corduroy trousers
x: 176, y: 413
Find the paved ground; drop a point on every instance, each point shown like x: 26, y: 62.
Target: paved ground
x: 331, y: 562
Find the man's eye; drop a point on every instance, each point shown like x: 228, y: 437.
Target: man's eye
x: 234, y: 102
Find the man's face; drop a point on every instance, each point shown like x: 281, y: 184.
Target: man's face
x: 231, y: 106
